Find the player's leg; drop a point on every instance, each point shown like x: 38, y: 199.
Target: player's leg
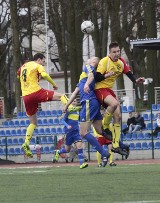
x: 63, y: 150
x: 111, y: 163
x: 79, y: 146
x: 112, y: 104
x: 29, y: 133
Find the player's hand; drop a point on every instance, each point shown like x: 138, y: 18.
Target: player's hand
x: 69, y: 127
x: 108, y: 74
x: 86, y: 88
x: 140, y: 80
x: 55, y: 87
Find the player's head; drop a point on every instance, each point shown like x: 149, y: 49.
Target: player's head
x: 114, y: 51
x: 94, y: 61
x: 39, y: 58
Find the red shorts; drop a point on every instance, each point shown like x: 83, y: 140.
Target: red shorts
x: 102, y: 93
x: 31, y: 101
x: 103, y: 141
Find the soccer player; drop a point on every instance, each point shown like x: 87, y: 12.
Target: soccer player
x: 90, y: 112
x: 71, y: 128
x: 33, y: 94
x: 108, y: 70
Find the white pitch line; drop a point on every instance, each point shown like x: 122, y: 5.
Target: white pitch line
x: 148, y: 201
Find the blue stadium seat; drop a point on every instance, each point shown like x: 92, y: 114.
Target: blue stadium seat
x: 51, y: 149
x: 138, y: 146
x: 144, y: 146
x: 17, y: 151
x: 56, y: 121
x: 11, y: 151
x: 128, y: 137
x: 158, y: 107
x: 47, y: 131
x: 22, y: 123
x: 151, y: 116
x: 11, y: 124
x: 46, y: 150
x: 149, y: 126
x: 59, y: 112
x: 123, y: 137
x: 2, y: 133
x: 16, y: 123
x: 41, y: 131
x: 146, y: 136
x: 1, y: 151
x: 42, y: 150
x: 50, y: 122
x: 150, y: 145
x: 9, y: 141
x: 42, y: 114
x: 54, y: 113
x: 18, y: 132
x: 24, y: 115
x: 157, y: 145
x: 134, y: 136
x: 124, y: 109
x: 13, y: 133
x: 140, y: 136
x: 50, y: 140
x: 3, y: 141
x: 33, y: 141
x: 23, y: 132
x: 20, y: 141
x: 130, y: 108
x: 44, y: 122
x: 146, y: 117
x: 154, y: 107
x: 154, y: 125
x: 53, y: 131
x: 27, y: 122
x: 36, y: 131
x: 158, y: 135
x: 20, y: 114
x: 59, y: 131
x: 43, y: 140
x: 5, y: 124
x: 39, y: 122
x: 8, y: 133
x: 124, y: 126
x: 15, y: 141
x: 48, y: 113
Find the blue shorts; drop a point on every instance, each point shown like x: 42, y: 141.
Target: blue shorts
x: 73, y: 137
x: 90, y: 111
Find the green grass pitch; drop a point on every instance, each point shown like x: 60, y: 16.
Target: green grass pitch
x: 123, y: 183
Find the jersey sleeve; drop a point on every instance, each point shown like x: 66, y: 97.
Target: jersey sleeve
x: 102, y: 66
x: 88, y: 69
x: 126, y: 67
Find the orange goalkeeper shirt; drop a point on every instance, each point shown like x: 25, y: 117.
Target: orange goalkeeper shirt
x: 106, y: 65
x: 29, y: 75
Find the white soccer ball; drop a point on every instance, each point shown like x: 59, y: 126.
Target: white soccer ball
x: 87, y: 27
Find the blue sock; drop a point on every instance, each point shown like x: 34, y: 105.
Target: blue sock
x: 62, y: 151
x: 80, y: 156
x: 94, y: 142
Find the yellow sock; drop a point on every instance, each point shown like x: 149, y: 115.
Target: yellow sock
x: 64, y: 99
x: 29, y: 133
x: 111, y: 156
x: 107, y: 120
x: 98, y: 158
x: 116, y: 135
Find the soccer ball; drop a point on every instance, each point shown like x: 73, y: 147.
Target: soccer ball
x: 87, y: 27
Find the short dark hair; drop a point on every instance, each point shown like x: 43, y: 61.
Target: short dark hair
x: 38, y: 56
x: 113, y: 45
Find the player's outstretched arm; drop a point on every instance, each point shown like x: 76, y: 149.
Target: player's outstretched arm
x: 71, y: 99
x: 49, y: 79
